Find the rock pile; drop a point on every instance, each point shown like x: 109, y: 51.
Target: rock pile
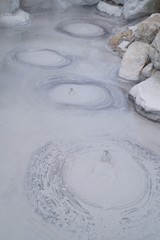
x: 141, y: 64
x: 139, y: 48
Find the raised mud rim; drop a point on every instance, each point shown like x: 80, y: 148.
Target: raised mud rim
x: 97, y: 22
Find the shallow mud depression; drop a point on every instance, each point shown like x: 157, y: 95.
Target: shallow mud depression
x: 77, y: 161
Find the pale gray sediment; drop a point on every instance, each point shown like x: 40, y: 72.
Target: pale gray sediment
x: 99, y: 176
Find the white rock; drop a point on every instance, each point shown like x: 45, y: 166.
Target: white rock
x: 133, y: 28
x: 17, y: 18
x: 111, y: 10
x: 122, y: 48
x: 8, y: 6
x: 147, y: 70
x: 134, y: 60
x: 146, y: 96
x: 137, y: 8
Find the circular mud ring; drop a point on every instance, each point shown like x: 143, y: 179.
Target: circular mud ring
x: 76, y: 92
x: 68, y: 181
x: 39, y: 58
x: 83, y: 28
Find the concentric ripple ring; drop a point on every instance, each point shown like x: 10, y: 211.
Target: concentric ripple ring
x: 83, y: 28
x: 66, y: 181
x: 76, y: 92
x: 39, y: 58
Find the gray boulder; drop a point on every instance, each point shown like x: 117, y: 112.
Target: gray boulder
x: 9, y: 6
x: 110, y: 9
x: 146, y: 97
x: 148, y: 29
x: 134, y: 60
x: 147, y: 71
x: 137, y: 8
x: 154, y: 53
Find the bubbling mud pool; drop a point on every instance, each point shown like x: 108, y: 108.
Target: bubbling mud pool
x: 75, y: 92
x: 69, y: 182
x: 38, y: 58
x: 83, y: 28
